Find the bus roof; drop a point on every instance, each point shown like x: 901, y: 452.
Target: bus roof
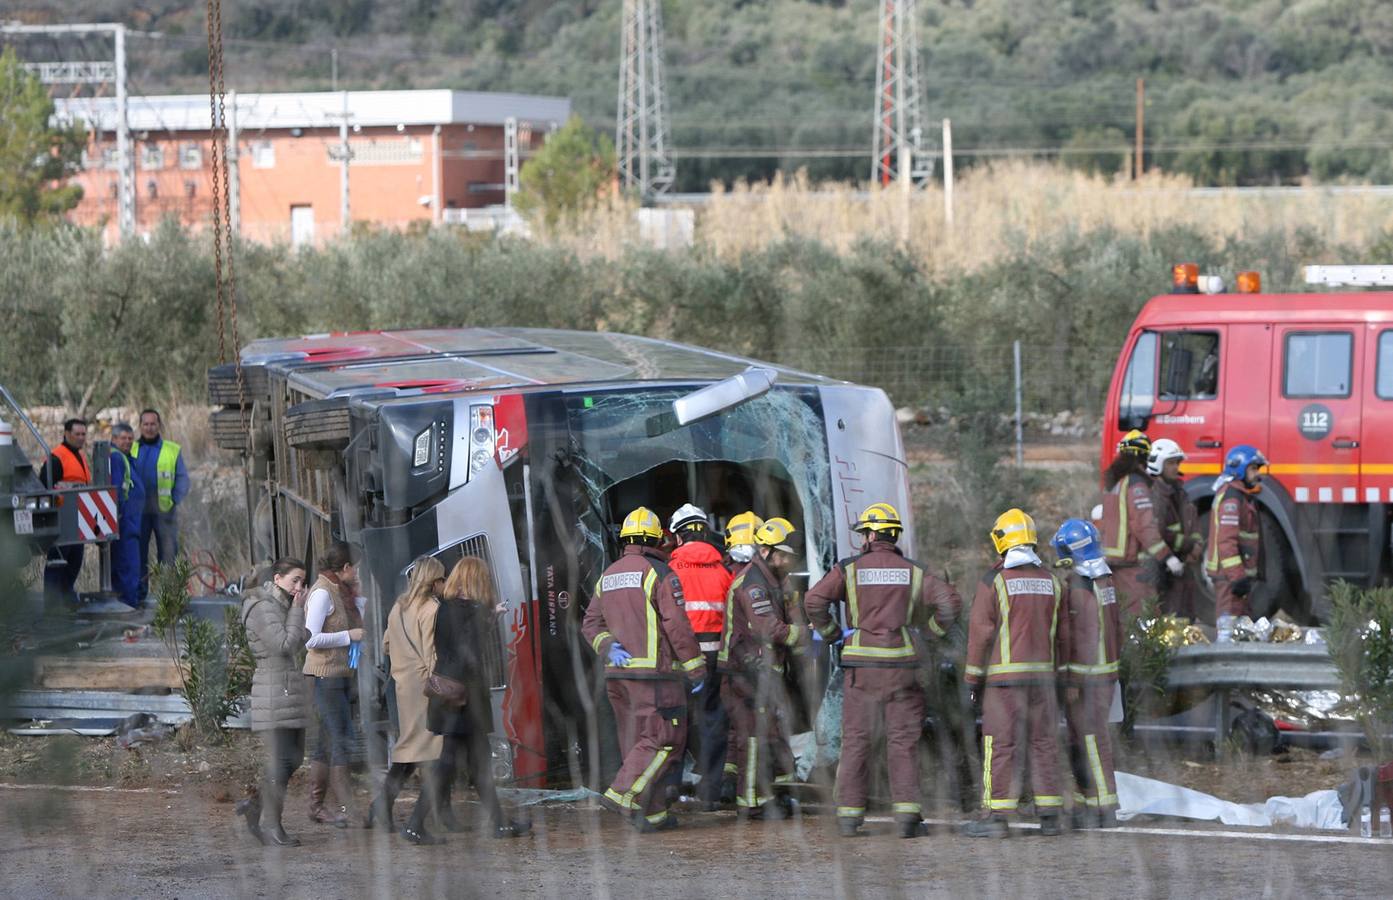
x: 461, y: 360
x: 1195, y: 309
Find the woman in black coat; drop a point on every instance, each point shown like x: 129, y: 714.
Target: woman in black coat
x: 465, y: 621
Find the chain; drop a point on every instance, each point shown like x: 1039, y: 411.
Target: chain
x: 222, y: 204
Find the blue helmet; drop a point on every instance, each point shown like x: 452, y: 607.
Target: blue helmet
x: 1078, y: 540
x: 1240, y: 458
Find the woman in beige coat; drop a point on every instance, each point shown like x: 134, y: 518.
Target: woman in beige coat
x: 410, y: 647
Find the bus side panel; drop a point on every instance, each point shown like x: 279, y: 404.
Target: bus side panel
x: 868, y: 461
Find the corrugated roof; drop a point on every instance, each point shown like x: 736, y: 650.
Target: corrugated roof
x: 189, y: 112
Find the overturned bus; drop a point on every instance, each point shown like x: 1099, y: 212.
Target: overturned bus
x: 526, y: 448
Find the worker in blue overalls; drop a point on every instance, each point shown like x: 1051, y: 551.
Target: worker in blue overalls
x: 130, y: 495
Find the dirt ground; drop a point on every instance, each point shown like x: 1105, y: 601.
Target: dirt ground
x: 157, y: 821
x: 179, y: 843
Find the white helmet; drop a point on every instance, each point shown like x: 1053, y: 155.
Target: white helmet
x: 1162, y: 451
x: 687, y: 514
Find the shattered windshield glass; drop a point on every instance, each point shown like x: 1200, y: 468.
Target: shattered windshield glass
x: 611, y: 443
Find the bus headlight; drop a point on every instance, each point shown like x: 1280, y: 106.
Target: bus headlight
x: 481, y: 438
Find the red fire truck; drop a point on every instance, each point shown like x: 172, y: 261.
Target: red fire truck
x: 1308, y: 379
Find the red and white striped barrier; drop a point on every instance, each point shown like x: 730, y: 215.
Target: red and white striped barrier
x: 96, y: 515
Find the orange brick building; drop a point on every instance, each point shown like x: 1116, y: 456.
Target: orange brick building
x: 414, y: 157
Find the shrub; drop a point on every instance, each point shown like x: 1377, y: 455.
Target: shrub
x: 1360, y: 639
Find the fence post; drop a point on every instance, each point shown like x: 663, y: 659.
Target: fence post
x: 1020, y: 431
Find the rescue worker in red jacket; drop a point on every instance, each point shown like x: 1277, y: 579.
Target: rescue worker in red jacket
x: 705, y: 581
x: 740, y: 549
x: 637, y: 624
x: 890, y: 601
x: 1234, y: 557
x: 1178, y: 521
x: 1132, y: 539
x: 1095, y: 638
x: 1016, y: 643
x: 756, y: 648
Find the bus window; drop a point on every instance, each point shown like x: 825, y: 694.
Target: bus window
x: 1318, y: 364
x: 1384, y: 387
x: 1139, y: 384
x: 1190, y: 365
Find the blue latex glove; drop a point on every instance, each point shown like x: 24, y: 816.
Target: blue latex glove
x: 355, y: 652
x: 817, y: 636
x: 846, y: 635
x: 618, y: 656
x: 696, y: 688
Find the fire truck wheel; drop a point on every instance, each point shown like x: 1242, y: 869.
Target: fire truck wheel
x: 318, y: 425
x: 222, y: 385
x: 230, y: 429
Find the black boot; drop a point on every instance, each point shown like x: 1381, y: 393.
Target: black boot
x: 1049, y: 824
x: 250, y: 809
x: 849, y: 826
x: 995, y: 827
x: 380, y: 813
x: 911, y: 828
x: 271, y: 827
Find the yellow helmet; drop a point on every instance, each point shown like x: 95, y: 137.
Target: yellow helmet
x: 741, y: 528
x: 1013, y: 528
x: 776, y: 533
x: 879, y: 517
x: 642, y: 523
x: 1135, y: 442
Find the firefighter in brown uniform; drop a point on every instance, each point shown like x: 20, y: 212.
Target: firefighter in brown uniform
x: 889, y: 599
x: 1132, y: 540
x: 1233, y: 559
x: 1016, y: 643
x: 1178, y: 522
x: 740, y: 549
x: 1095, y: 637
x: 637, y: 624
x: 758, y: 643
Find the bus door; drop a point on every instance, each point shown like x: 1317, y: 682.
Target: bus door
x: 1376, y: 453
x: 1316, y: 411
x: 1189, y: 406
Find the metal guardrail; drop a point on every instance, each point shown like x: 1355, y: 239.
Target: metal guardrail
x: 1301, y: 667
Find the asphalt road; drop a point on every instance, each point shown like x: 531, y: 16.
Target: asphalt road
x: 150, y: 843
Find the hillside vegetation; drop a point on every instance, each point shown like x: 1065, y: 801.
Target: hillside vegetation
x: 1238, y: 91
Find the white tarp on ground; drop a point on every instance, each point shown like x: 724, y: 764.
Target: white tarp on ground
x: 1146, y: 796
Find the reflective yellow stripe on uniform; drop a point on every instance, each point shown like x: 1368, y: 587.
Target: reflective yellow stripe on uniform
x: 1048, y: 801
x: 1003, y: 632
x: 1117, y: 551
x: 650, y: 657
x: 641, y: 782
x: 1095, y: 764
x: 724, y: 654
x: 600, y: 639
x: 692, y: 665
x: 1156, y: 548
x: 794, y: 631
x: 1230, y: 561
x: 854, y: 647
x: 850, y: 812
x: 986, y: 771
x: 1102, y: 639
x: 1099, y: 669
x: 905, y: 808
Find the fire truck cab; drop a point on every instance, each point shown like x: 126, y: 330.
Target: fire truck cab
x: 1306, y: 378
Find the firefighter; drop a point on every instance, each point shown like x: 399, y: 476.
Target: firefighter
x: 889, y: 599
x: 740, y: 549
x: 1234, y: 556
x: 756, y: 647
x: 637, y: 624
x: 125, y: 554
x: 740, y: 540
x: 1015, y: 646
x: 1178, y: 522
x: 69, y: 468
x: 705, y: 581
x: 1095, y: 637
x: 1132, y: 540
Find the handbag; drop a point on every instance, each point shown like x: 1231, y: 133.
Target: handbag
x: 447, y: 689
x: 440, y: 687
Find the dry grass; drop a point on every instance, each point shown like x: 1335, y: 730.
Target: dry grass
x: 997, y: 209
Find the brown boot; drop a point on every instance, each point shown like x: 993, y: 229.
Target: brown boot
x: 319, y: 785
x: 343, y: 795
